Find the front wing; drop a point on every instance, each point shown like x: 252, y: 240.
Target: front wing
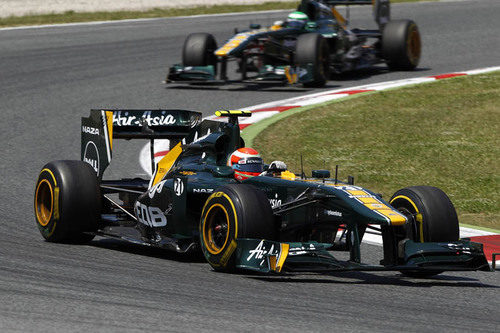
x: 267, y: 75
x: 279, y: 257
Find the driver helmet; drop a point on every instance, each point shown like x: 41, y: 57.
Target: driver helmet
x: 296, y: 20
x: 246, y: 163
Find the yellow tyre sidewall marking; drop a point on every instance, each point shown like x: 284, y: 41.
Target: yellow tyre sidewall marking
x: 418, y: 217
x: 202, y: 227
x: 51, y: 173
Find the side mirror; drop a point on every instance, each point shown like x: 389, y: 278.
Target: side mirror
x: 321, y: 174
x: 255, y: 26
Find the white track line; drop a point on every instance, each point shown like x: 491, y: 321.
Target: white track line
x: 62, y: 25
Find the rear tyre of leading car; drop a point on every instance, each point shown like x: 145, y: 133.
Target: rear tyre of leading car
x: 233, y: 211
x: 432, y: 217
x: 67, y: 202
x: 401, y: 44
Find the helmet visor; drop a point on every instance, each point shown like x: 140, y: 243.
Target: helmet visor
x: 296, y: 24
x: 251, y: 164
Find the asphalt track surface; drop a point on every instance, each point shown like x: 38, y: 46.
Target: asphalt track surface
x: 51, y: 77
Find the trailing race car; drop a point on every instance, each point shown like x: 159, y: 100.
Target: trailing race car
x: 273, y: 223
x: 311, y: 44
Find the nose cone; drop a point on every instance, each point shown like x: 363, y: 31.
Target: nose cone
x: 370, y: 206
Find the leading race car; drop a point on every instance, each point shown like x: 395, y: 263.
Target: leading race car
x: 311, y: 44
x: 274, y: 223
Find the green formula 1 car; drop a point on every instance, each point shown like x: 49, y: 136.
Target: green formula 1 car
x: 310, y: 45
x: 273, y: 223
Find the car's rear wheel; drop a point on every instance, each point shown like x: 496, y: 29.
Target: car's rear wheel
x: 199, y: 50
x: 432, y: 217
x: 312, y: 48
x: 67, y: 202
x: 401, y: 45
x: 233, y: 211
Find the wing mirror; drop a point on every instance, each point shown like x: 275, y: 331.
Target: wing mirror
x: 321, y: 174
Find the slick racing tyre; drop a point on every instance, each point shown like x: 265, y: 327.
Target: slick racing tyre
x: 199, y: 50
x: 432, y: 217
x: 67, y: 202
x: 312, y: 48
x: 233, y: 211
x: 401, y: 45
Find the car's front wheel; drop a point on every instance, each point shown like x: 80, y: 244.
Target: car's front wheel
x: 199, y: 50
x: 233, y: 211
x: 312, y: 49
x: 431, y: 215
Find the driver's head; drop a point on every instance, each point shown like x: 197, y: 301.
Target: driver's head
x: 296, y: 20
x: 246, y: 163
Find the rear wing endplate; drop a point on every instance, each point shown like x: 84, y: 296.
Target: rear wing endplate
x: 104, y: 125
x: 381, y: 9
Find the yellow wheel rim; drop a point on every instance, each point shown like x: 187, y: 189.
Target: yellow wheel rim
x: 414, y: 45
x: 216, y: 228
x: 44, y: 202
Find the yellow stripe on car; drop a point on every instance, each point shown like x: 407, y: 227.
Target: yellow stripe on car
x: 223, y: 113
x: 342, y: 21
x: 371, y: 202
x: 109, y: 123
x: 283, y: 255
x: 166, y: 163
x: 291, y: 77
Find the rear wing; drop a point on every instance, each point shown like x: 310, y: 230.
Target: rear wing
x: 347, y: 2
x: 381, y: 9
x: 104, y: 125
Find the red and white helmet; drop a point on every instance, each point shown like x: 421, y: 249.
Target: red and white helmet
x: 246, y: 163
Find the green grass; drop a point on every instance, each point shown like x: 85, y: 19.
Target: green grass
x: 445, y: 134
x: 71, y: 16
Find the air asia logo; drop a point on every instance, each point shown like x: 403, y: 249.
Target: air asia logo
x: 126, y: 119
x: 91, y: 156
x: 275, y: 202
x: 260, y: 251
x: 178, y: 187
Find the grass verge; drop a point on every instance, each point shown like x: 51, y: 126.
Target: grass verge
x: 72, y: 16
x: 444, y: 134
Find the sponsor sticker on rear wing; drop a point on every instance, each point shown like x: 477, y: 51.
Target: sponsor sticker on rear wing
x: 104, y: 125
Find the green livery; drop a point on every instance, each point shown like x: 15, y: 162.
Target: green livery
x: 308, y: 47
x: 270, y: 224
